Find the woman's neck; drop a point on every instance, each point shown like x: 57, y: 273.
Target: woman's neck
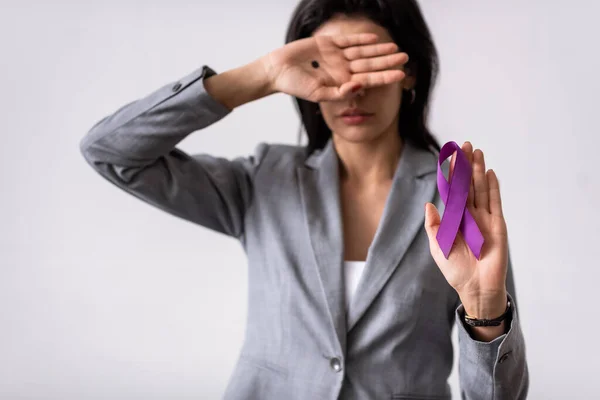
x: 369, y: 163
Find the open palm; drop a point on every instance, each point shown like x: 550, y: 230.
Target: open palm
x: 469, y: 276
x: 345, y: 63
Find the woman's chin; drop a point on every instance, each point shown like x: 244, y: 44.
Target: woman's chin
x: 357, y: 134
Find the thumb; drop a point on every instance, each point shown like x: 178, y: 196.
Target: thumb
x: 432, y: 220
x: 349, y: 88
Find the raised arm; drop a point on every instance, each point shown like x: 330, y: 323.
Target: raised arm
x: 134, y: 148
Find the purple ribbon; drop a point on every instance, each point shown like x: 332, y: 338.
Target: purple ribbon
x: 454, y: 195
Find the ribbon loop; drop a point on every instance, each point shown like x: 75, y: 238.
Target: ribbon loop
x: 454, y: 193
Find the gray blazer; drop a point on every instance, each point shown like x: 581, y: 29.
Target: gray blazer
x: 300, y: 343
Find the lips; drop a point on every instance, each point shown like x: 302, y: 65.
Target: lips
x: 355, y: 112
x: 356, y: 119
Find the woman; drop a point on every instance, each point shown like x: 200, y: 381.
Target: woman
x: 350, y: 296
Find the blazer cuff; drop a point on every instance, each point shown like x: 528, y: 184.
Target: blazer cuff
x: 194, y: 94
x: 497, y: 351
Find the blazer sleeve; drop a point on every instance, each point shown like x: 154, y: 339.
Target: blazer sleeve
x: 495, y: 370
x: 134, y: 148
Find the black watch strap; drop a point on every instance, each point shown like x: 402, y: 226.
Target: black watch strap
x: 489, y: 322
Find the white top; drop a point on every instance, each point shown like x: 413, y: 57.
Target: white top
x: 352, y: 272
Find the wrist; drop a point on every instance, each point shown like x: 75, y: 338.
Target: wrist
x: 240, y: 85
x: 258, y: 79
x: 489, y: 306
x: 265, y: 69
x: 493, y: 307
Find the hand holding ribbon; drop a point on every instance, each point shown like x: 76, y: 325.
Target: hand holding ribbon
x: 470, y: 244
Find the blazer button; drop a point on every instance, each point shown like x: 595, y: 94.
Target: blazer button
x: 336, y: 364
x: 177, y: 86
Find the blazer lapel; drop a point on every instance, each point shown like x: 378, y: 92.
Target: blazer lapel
x: 320, y: 196
x: 403, y: 217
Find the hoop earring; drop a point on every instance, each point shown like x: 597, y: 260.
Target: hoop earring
x: 413, y: 96
x: 412, y: 93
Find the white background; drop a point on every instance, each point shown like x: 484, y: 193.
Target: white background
x: 104, y: 297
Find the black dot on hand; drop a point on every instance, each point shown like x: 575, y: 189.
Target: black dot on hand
x: 315, y: 64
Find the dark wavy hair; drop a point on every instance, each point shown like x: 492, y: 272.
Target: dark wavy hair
x: 404, y: 21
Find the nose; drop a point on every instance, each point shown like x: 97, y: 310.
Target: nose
x: 358, y: 93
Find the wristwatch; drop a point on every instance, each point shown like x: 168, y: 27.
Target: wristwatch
x: 489, y: 322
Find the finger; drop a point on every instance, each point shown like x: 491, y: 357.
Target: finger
x: 452, y: 163
x: 467, y: 148
x: 333, y: 93
x: 432, y: 225
x: 355, y: 39
x: 349, y: 87
x: 432, y: 220
x: 327, y: 93
x: 371, y: 50
x: 379, y: 78
x: 495, y: 200
x: 480, y: 181
x: 390, y: 61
